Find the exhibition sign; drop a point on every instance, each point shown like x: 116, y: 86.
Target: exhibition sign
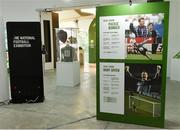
x: 131, y: 63
x: 112, y: 88
x: 111, y: 38
x: 25, y: 62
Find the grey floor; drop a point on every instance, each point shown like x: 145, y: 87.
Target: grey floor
x: 75, y: 108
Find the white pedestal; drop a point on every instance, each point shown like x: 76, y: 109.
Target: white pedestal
x: 175, y: 71
x: 68, y: 73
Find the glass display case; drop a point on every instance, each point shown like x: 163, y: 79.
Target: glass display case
x: 67, y: 44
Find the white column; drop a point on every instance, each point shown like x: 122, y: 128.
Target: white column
x: 4, y: 87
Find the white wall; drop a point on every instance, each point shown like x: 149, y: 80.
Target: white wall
x: 83, y: 24
x: 20, y: 11
x: 67, y: 24
x: 4, y: 88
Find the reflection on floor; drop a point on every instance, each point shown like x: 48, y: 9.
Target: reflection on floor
x: 75, y: 107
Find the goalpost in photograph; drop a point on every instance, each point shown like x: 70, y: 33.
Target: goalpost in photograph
x: 137, y: 104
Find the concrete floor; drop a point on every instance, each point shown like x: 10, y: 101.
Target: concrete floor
x: 75, y: 107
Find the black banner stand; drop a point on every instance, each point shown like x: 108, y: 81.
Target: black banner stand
x: 25, y: 62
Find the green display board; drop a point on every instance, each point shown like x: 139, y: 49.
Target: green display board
x: 132, y: 44
x: 92, y: 42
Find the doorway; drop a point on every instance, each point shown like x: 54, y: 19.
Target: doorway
x: 83, y: 20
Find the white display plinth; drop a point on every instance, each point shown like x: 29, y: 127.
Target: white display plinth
x: 68, y: 73
x: 175, y: 71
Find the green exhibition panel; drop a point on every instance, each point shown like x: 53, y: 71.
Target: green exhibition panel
x: 92, y: 42
x: 132, y: 44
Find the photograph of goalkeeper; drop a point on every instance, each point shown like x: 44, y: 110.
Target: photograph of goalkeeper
x: 143, y: 89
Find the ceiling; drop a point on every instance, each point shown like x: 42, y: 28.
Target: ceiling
x: 90, y: 3
x: 72, y: 3
x: 75, y: 14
